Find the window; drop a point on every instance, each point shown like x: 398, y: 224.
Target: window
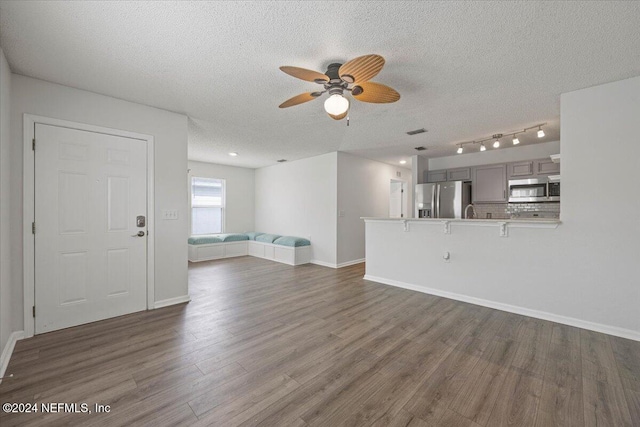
x: 207, y: 205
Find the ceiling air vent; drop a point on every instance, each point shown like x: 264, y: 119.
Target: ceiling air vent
x: 281, y: 160
x: 417, y: 131
x: 421, y: 148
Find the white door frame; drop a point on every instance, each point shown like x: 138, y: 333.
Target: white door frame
x: 28, y: 206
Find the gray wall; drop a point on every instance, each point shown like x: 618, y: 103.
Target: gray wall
x: 8, y: 316
x: 170, y: 134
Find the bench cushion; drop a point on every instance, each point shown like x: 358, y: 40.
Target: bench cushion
x: 267, y: 238
x: 203, y: 240
x: 232, y: 237
x: 252, y: 235
x: 217, y: 238
x: 292, y: 241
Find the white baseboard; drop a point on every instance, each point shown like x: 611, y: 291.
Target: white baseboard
x: 7, y: 351
x: 352, y: 262
x: 323, y: 263
x: 334, y: 265
x: 571, y: 321
x: 172, y: 301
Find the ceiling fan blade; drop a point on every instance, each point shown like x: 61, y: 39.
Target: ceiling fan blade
x: 304, y: 74
x: 361, y: 69
x: 339, y: 116
x: 376, y: 93
x: 298, y: 99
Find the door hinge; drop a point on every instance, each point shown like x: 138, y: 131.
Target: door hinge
x: 33, y: 144
x: 33, y: 228
x: 34, y: 311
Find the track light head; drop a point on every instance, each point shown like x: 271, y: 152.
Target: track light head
x: 540, y: 132
x: 496, y: 143
x: 482, y: 147
x: 460, y: 150
x: 516, y: 141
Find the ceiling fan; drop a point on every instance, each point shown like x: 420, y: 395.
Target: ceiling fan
x: 352, y: 76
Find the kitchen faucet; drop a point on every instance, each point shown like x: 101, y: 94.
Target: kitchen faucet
x: 473, y: 209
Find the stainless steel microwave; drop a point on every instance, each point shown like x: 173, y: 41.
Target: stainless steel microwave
x: 533, y: 190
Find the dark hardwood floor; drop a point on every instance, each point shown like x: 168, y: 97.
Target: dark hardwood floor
x: 264, y: 343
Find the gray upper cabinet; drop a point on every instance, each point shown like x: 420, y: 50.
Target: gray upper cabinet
x: 490, y: 184
x: 437, y: 176
x: 462, y: 174
x: 546, y: 167
x: 520, y: 169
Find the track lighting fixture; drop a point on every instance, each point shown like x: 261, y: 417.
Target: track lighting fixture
x: 496, y: 138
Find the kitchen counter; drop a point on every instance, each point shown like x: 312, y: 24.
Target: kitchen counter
x: 500, y: 263
x: 503, y: 225
x: 461, y: 220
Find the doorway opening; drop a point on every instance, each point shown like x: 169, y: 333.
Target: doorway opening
x: 397, y: 199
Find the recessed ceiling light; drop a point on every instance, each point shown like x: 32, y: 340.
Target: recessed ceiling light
x: 233, y: 154
x: 403, y: 162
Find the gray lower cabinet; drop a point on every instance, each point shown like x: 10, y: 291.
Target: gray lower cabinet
x: 546, y: 167
x: 437, y: 176
x: 520, y: 169
x: 490, y: 184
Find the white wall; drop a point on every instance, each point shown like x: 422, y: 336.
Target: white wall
x: 363, y: 190
x: 299, y: 199
x: 502, y: 155
x: 602, y: 245
x: 585, y: 272
x: 170, y: 132
x: 8, y: 317
x: 239, y: 193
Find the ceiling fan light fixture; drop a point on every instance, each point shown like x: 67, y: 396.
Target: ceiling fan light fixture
x: 357, y: 90
x: 348, y: 78
x: 336, y: 105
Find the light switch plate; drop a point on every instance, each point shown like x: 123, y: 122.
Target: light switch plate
x: 169, y: 214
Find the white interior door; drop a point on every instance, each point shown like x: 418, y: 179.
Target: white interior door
x: 89, y: 189
x: 396, y: 196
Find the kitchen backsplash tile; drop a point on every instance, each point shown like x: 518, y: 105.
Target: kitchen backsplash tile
x: 515, y: 210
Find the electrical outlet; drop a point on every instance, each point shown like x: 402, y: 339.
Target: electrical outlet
x: 169, y: 214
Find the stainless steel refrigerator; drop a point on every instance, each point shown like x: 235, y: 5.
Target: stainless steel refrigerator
x: 442, y: 199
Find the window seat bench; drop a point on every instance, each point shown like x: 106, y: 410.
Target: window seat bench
x: 285, y: 249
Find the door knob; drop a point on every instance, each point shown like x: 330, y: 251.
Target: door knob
x: 140, y: 234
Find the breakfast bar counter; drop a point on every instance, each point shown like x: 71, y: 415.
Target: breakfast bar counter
x: 500, y: 263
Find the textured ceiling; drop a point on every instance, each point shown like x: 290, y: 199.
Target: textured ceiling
x: 464, y: 70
